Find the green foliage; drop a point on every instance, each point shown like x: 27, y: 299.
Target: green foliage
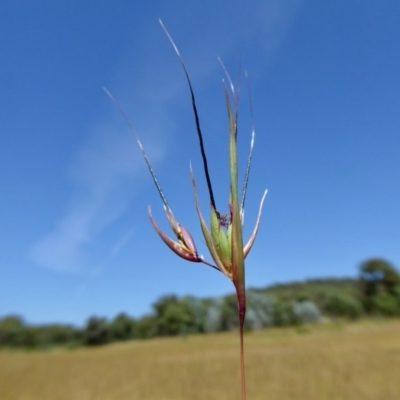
x: 146, y: 327
x: 379, y: 282
x: 396, y: 294
x: 173, y: 316
x: 96, y: 332
x: 313, y: 289
x: 198, y: 309
x: 15, y: 333
x: 122, y: 328
x: 229, y: 313
x: 11, y: 331
x: 213, y: 316
x: 386, y: 304
x: 378, y: 275
x: 283, y: 314
x: 338, y: 304
x: 260, y: 310
x: 376, y: 292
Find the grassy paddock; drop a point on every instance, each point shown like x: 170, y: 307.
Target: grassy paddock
x: 351, y: 361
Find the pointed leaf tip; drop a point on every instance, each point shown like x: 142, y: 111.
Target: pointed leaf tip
x: 250, y: 243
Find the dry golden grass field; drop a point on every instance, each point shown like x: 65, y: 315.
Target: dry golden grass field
x: 359, y: 361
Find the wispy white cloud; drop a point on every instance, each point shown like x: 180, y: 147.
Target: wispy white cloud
x: 101, y: 175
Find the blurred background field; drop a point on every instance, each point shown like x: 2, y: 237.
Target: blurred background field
x: 359, y: 360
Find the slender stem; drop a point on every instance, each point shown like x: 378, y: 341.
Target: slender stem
x: 242, y: 367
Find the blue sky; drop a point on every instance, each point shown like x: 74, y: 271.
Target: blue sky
x: 76, y: 240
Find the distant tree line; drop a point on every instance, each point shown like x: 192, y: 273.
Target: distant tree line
x: 375, y: 293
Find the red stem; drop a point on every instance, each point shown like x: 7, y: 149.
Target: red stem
x: 241, y: 298
x: 242, y: 368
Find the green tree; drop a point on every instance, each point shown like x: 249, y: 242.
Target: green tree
x: 122, y: 327
x: 198, y: 312
x: 283, y: 314
x: 11, y: 331
x: 146, y: 327
x: 386, y: 304
x: 213, y: 315
x: 173, y: 316
x: 260, y: 310
x: 338, y: 304
x: 377, y: 276
x: 56, y: 335
x: 96, y: 332
x: 229, y: 313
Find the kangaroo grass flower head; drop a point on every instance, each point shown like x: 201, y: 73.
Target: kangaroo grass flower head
x: 224, y: 237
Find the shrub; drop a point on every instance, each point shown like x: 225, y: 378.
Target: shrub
x: 341, y: 305
x: 96, y: 332
x: 11, y: 331
x: 386, y: 304
x: 260, y: 310
x: 213, y: 317
x: 122, y: 327
x: 283, y: 314
x: 307, y: 312
x: 146, y: 327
